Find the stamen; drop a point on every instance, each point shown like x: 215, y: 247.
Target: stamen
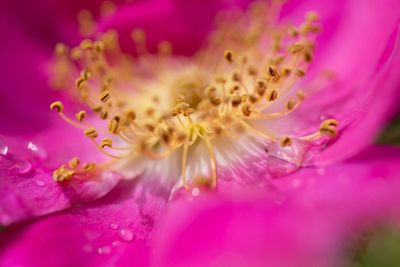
x: 63, y: 174
x: 179, y: 103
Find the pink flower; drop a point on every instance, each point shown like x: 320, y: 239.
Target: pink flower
x: 242, y: 117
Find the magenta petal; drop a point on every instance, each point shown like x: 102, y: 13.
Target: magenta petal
x: 185, y: 26
x: 376, y: 104
x: 112, y: 231
x: 309, y: 224
x: 28, y: 190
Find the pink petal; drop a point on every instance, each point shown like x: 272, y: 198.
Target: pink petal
x: 363, y: 51
x: 311, y: 222
x: 28, y: 190
x: 110, y: 231
x: 184, y: 25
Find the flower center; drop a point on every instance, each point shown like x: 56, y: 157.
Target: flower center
x: 159, y: 105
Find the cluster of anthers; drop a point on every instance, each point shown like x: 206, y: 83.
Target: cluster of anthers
x: 156, y: 104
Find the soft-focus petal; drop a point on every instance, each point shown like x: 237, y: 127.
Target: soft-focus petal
x: 184, y: 25
x: 310, y: 226
x: 109, y: 231
x: 363, y: 52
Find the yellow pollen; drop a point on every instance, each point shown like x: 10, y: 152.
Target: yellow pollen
x: 58, y: 106
x: 81, y: 115
x: 74, y: 162
x: 91, y: 133
x: 63, y: 174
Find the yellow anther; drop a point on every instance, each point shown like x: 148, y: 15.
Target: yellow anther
x: 272, y: 95
x: 106, y: 142
x: 261, y: 87
x: 329, y: 128
x: 215, y: 100
x: 165, y: 47
x: 236, y: 100
x: 138, y: 35
x: 98, y: 46
x: 300, y: 72
x: 312, y: 16
x: 273, y: 74
x: 113, y: 125
x: 286, y: 72
x: 80, y: 83
x: 91, y: 133
x: 228, y: 55
x: 74, y: 162
x: 253, y: 98
x: 308, y: 56
x: 290, y: 105
x: 57, y: 105
x: 62, y: 174
x: 286, y: 141
x: 296, y: 48
x: 220, y: 79
x: 252, y: 71
x: 61, y: 49
x: 277, y: 60
x: 301, y: 95
x: 187, y: 112
x: 105, y: 96
x: 150, y: 127
x: 246, y: 110
x: 76, y: 53
x: 86, y: 74
x: 210, y: 90
x: 86, y: 44
x: 130, y: 115
x: 294, y: 32
x: 81, y: 115
x: 89, y: 167
x: 103, y: 114
x: 97, y: 109
x: 236, y: 76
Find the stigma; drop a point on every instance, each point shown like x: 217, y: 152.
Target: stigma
x: 159, y: 106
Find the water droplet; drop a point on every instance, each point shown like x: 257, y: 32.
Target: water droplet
x: 40, y: 183
x: 195, y: 192
x: 3, y: 148
x: 114, y: 226
x: 115, y: 243
x: 126, y: 234
x: 104, y: 250
x: 284, y: 160
x: 37, y: 151
x: 21, y: 167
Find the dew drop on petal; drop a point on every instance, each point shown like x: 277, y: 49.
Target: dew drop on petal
x: 37, y: 151
x: 40, y: 183
x: 195, y: 192
x: 115, y: 243
x: 114, y: 226
x: 104, y: 250
x: 21, y: 167
x: 3, y: 148
x: 126, y: 234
